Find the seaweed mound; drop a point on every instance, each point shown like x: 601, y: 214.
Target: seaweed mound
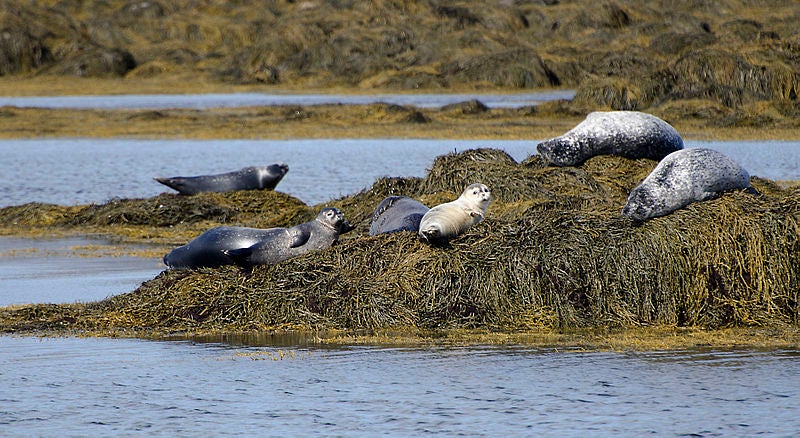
x: 553, y: 252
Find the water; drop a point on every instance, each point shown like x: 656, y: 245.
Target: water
x: 67, y: 270
x: 103, y: 387
x: 56, y: 170
x: 204, y: 101
x: 287, y: 386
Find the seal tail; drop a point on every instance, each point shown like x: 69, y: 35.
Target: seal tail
x: 169, y: 182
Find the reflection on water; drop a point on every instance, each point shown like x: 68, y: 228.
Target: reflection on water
x: 204, y: 101
x: 56, y: 170
x: 58, y: 271
x: 111, y: 387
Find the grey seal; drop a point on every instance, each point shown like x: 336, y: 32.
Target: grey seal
x: 446, y: 221
x: 248, y: 178
x: 397, y: 213
x: 683, y: 177
x: 630, y: 134
x: 254, y: 246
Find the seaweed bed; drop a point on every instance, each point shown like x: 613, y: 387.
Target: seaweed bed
x: 553, y: 253
x: 733, y: 63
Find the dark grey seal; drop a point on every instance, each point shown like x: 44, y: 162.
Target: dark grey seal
x: 249, y: 178
x: 254, y: 246
x: 683, y: 177
x: 629, y: 134
x: 397, y: 213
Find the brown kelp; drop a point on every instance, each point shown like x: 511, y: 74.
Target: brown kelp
x: 553, y: 252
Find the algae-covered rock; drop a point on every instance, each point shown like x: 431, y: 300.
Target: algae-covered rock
x: 553, y: 252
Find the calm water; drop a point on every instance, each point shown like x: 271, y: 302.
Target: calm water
x: 102, y: 387
x: 56, y: 170
x: 203, y: 101
x: 67, y: 271
x: 285, y: 386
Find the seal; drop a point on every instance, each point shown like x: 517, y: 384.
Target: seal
x: 630, y: 134
x: 248, y: 178
x: 446, y: 221
x: 254, y: 246
x: 683, y: 177
x: 397, y: 213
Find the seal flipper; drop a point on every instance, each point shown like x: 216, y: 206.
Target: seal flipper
x: 239, y: 255
x: 298, y: 237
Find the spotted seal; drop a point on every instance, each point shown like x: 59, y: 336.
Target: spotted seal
x: 248, y: 178
x: 629, y: 134
x: 253, y: 246
x: 683, y: 177
x: 397, y: 213
x: 446, y: 221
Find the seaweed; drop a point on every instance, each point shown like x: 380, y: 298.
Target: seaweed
x: 553, y: 253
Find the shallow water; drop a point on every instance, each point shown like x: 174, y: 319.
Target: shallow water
x: 204, y: 101
x: 72, y: 387
x: 67, y: 270
x: 56, y: 170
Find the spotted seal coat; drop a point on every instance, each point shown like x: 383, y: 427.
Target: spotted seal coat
x: 446, y: 221
x: 683, y: 177
x: 248, y: 178
x: 630, y: 134
x: 397, y: 213
x: 254, y: 246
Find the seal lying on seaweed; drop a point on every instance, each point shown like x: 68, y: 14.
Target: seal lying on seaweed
x: 629, y: 134
x: 683, y: 177
x: 254, y: 246
x: 248, y: 178
x: 397, y: 213
x: 446, y: 221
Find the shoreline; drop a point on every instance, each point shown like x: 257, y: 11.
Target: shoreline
x: 656, y: 338
x: 286, y: 122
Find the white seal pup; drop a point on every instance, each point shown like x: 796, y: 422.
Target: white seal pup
x: 254, y: 246
x: 397, y: 213
x: 683, y: 177
x: 630, y: 134
x: 248, y: 178
x: 446, y: 221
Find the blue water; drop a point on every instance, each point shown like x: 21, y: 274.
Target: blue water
x: 204, y: 101
x: 103, y: 387
x: 290, y: 386
x: 57, y: 170
x: 68, y: 270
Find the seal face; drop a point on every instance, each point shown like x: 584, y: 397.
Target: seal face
x: 630, y: 134
x: 397, y: 213
x: 253, y: 246
x: 683, y: 177
x: 248, y: 178
x: 446, y: 221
